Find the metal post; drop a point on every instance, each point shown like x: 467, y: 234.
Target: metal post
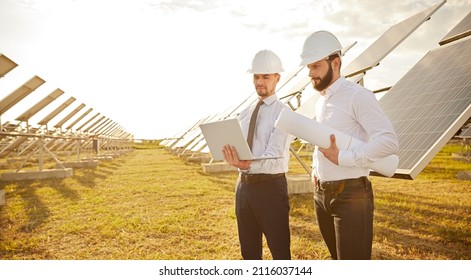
x: 308, y: 170
x: 41, y: 153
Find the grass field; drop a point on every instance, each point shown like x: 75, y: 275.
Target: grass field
x: 149, y: 204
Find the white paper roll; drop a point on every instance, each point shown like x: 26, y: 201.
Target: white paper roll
x: 319, y: 134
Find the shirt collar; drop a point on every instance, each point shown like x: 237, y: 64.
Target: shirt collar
x: 334, y: 87
x: 270, y: 99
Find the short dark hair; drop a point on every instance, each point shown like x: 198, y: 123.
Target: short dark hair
x: 334, y: 56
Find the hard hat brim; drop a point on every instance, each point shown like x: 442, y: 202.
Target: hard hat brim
x: 264, y: 72
x: 309, y: 60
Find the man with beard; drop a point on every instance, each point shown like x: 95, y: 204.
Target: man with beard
x: 262, y: 202
x: 343, y: 195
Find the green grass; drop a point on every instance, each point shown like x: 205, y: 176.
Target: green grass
x: 149, y: 204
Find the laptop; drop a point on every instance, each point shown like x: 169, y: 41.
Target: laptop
x: 227, y: 132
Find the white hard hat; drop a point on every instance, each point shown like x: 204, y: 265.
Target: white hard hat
x: 319, y: 45
x: 266, y: 62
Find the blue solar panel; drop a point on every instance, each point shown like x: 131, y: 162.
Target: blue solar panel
x: 430, y: 104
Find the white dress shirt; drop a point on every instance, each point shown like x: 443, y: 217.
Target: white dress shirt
x: 354, y: 110
x: 268, y: 141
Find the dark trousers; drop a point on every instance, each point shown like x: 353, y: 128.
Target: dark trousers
x: 263, y: 208
x: 344, y: 212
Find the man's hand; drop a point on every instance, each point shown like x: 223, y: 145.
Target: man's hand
x: 331, y: 153
x: 231, y: 157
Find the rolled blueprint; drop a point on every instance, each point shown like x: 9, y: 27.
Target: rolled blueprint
x: 319, y: 134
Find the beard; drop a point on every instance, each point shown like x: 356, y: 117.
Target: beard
x: 262, y: 92
x: 325, y: 81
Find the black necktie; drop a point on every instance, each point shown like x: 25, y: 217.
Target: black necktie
x: 252, y: 124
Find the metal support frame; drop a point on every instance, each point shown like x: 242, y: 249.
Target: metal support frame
x: 40, y: 149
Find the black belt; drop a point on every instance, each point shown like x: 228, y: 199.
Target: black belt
x: 337, y: 183
x: 258, y: 178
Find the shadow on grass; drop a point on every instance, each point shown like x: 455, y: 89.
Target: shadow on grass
x: 88, y: 177
x: 35, y: 209
x: 415, y: 226
x: 441, y: 172
x: 302, y: 207
x: 406, y: 226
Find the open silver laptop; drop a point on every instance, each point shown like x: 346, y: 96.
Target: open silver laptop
x: 227, y: 132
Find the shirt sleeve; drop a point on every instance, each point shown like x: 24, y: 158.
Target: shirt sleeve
x: 381, y: 138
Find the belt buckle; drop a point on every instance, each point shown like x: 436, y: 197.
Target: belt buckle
x: 328, y: 183
x: 258, y: 178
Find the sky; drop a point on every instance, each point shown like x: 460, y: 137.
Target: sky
x: 157, y: 67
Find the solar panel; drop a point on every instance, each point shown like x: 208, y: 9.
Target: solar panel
x: 430, y: 104
x: 93, y: 124
x: 106, y: 125
x: 461, y: 30
x: 103, y: 126
x: 109, y: 128
x: 40, y: 105
x: 54, y: 113
x: 78, y: 119
x: 69, y: 116
x: 87, y: 122
x: 6, y: 65
x: 388, y: 41
x: 200, y: 146
x: 174, y: 140
x: 100, y: 125
x: 197, y: 144
x: 20, y: 93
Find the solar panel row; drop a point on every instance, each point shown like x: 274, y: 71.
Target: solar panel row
x: 430, y: 104
x: 388, y: 42
x: 427, y: 105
